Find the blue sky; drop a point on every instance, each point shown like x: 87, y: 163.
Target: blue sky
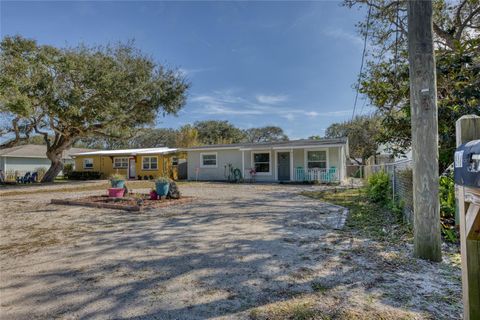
x: 291, y: 64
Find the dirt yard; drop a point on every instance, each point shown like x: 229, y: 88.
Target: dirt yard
x: 238, y: 252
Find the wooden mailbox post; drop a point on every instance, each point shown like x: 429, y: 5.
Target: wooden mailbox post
x: 468, y: 200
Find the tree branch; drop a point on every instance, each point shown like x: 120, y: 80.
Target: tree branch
x: 449, y: 39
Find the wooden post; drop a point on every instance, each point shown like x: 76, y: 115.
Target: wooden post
x: 423, y: 101
x: 468, y: 207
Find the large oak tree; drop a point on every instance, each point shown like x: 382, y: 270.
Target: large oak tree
x: 66, y: 94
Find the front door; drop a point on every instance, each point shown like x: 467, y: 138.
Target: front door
x: 131, y: 168
x: 283, y: 161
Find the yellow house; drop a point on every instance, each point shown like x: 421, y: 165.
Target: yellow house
x: 132, y: 163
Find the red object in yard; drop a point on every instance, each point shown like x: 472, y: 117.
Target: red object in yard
x: 116, y: 192
x: 153, y: 195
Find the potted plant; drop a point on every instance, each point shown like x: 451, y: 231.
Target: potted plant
x: 162, y: 185
x: 116, y: 192
x: 117, y: 180
x: 153, y: 194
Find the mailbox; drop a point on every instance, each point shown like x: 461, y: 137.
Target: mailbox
x: 467, y: 164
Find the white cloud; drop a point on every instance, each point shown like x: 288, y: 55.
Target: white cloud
x: 271, y: 99
x: 311, y: 113
x: 229, y: 102
x: 341, y: 34
x: 191, y: 72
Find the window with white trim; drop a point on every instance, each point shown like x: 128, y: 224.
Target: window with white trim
x: 317, y: 159
x: 120, y: 163
x: 88, y: 163
x: 174, y: 161
x: 150, y: 163
x: 261, y: 162
x: 208, y: 160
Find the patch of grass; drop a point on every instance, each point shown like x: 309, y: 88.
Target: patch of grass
x: 297, y: 309
x: 315, y: 307
x: 321, y: 287
x: 370, y: 219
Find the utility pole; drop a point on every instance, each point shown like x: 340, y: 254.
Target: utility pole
x: 423, y: 102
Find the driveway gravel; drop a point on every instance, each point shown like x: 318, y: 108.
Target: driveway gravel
x: 236, y: 247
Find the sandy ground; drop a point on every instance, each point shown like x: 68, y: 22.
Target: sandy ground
x: 234, y: 251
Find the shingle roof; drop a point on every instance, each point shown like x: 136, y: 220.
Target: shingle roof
x: 37, y: 151
x: 286, y: 144
x: 127, y: 152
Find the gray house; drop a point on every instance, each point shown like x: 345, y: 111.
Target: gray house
x: 297, y: 160
x: 30, y: 157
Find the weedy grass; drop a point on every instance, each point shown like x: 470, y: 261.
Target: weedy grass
x: 313, y: 307
x: 367, y: 218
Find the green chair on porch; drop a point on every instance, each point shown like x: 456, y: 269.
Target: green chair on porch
x: 331, y: 174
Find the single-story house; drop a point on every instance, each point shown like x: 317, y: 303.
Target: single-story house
x: 30, y: 157
x: 321, y: 160
x: 132, y: 163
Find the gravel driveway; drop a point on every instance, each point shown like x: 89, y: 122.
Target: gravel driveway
x: 235, y: 248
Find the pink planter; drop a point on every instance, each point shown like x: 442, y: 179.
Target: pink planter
x: 116, y: 192
x: 153, y: 195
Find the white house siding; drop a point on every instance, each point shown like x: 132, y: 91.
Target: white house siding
x: 224, y: 157
x: 298, y: 158
x: 24, y: 164
x: 234, y: 156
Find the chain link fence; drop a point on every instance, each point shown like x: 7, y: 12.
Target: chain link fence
x: 401, y: 182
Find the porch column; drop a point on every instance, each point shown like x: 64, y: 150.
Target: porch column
x: 340, y: 163
x: 243, y: 164
x: 291, y: 165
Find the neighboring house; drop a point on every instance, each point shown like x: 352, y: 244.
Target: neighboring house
x: 323, y: 160
x: 30, y: 157
x: 132, y: 163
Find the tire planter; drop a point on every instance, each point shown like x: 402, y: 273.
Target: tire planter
x: 162, y: 188
x: 116, y: 192
x: 117, y: 183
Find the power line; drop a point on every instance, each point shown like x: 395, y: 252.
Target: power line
x: 363, y: 60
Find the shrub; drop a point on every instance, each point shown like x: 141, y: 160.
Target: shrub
x: 85, y: 175
x: 163, y: 180
x: 378, y: 189
x: 447, y: 197
x: 67, y: 170
x: 117, y: 176
x: 40, y: 172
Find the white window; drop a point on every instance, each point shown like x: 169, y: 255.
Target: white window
x: 261, y: 162
x: 150, y: 163
x: 316, y: 159
x: 88, y: 163
x: 208, y: 160
x: 120, y: 163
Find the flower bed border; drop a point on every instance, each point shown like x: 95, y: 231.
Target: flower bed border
x: 134, y: 208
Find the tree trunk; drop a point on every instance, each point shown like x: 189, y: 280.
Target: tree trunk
x: 55, y: 167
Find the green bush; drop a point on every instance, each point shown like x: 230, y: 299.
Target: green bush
x: 447, y: 197
x: 378, y: 189
x: 67, y: 170
x: 84, y: 175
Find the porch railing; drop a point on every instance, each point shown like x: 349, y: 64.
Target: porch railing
x: 319, y: 175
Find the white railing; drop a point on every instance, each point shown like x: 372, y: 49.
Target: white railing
x: 320, y: 175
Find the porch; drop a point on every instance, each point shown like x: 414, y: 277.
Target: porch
x: 322, y: 165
